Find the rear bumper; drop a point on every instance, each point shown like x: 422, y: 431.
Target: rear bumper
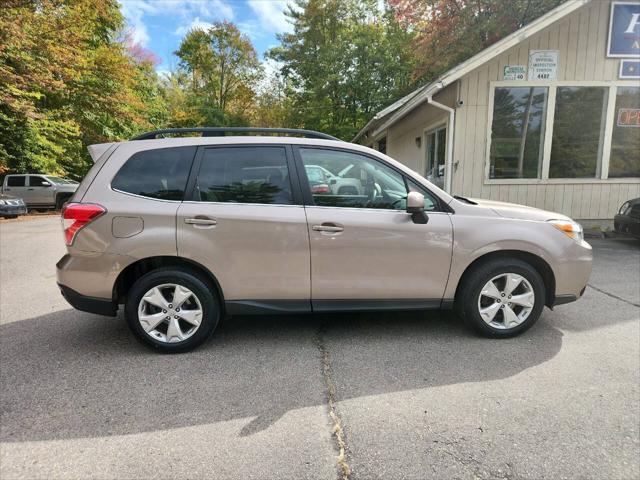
x: 99, y: 306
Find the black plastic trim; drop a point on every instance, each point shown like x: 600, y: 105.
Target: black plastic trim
x: 369, y: 305
x: 562, y: 299
x: 262, y: 307
x: 265, y: 307
x: 99, y: 306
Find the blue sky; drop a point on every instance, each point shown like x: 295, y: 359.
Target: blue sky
x: 159, y: 25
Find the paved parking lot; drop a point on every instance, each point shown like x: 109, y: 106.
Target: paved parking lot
x: 417, y: 395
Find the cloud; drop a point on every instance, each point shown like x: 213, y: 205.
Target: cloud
x: 184, y: 12
x: 271, y: 14
x: 195, y: 23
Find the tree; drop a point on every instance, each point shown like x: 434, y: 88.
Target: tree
x: 68, y: 78
x: 223, y: 66
x: 344, y: 60
x: 450, y: 31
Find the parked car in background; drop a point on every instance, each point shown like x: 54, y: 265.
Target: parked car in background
x: 627, y: 220
x: 327, y: 182
x: 182, y: 231
x: 11, y: 207
x: 40, y: 191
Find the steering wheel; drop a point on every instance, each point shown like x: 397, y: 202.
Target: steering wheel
x: 373, y: 193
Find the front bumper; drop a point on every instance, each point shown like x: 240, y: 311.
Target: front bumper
x: 572, y: 269
x: 99, y: 306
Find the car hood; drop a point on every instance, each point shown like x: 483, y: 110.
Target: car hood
x: 520, y: 212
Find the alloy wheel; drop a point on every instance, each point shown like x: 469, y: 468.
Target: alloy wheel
x: 170, y: 313
x: 506, y: 301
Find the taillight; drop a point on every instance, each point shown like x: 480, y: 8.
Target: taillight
x: 321, y: 189
x: 76, y: 216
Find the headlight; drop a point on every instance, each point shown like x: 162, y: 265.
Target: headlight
x: 570, y: 228
x: 3, y: 202
x: 624, y: 208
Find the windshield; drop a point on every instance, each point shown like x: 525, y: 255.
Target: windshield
x: 60, y: 181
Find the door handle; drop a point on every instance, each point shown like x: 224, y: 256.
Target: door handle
x: 30, y: 189
x: 200, y: 221
x: 328, y: 227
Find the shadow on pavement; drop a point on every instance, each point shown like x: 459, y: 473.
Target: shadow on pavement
x: 70, y: 374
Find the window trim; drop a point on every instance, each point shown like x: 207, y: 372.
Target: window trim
x: 442, y: 206
x: 552, y: 86
x: 296, y: 194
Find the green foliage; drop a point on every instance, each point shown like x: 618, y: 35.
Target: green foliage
x: 344, y: 60
x: 222, y: 69
x: 451, y: 31
x: 67, y: 79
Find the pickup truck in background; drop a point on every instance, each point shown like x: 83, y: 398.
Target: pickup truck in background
x: 40, y: 191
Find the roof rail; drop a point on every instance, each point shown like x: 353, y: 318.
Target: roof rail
x: 222, y: 131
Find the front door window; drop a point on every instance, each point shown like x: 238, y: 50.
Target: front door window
x: 436, y: 153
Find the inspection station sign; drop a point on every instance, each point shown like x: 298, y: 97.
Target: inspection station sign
x: 514, y: 72
x: 543, y: 64
x: 624, y: 30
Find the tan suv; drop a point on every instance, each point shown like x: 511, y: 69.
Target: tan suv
x: 182, y: 231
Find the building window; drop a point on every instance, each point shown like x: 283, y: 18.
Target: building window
x: 578, y: 132
x: 625, y: 142
x: 382, y: 145
x: 436, y: 155
x: 517, y: 132
x: 582, y: 131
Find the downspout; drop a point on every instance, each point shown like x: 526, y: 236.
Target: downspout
x: 451, y: 126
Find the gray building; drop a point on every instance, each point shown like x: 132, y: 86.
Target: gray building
x: 548, y: 117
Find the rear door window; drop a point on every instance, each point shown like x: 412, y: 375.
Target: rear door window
x: 159, y: 173
x: 16, y: 181
x: 244, y: 175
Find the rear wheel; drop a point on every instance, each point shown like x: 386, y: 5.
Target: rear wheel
x: 502, y: 298
x: 172, y: 310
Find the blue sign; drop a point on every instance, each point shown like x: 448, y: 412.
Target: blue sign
x: 624, y: 30
x: 629, y: 69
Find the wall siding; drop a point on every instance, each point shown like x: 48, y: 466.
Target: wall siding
x: 401, y: 137
x: 581, y: 40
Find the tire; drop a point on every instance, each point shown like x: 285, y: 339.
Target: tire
x: 164, y: 337
x: 61, y: 200
x: 503, y: 324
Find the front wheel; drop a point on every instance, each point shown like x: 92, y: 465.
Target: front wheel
x: 172, y: 310
x: 502, y: 298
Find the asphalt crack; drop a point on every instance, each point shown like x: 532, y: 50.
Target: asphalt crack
x: 344, y: 472
x: 614, y: 296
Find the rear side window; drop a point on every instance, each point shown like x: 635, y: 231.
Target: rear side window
x: 244, y: 175
x: 160, y: 173
x: 15, y: 181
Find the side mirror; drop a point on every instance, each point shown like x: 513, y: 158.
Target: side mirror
x: 415, y: 206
